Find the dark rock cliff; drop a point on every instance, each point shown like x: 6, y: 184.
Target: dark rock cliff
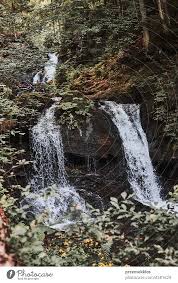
x: 94, y: 156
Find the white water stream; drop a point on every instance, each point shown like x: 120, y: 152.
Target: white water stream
x: 49, y: 72
x: 141, y: 175
x: 52, y: 195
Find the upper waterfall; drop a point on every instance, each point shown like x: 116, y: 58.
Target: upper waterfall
x: 141, y: 176
x: 48, y: 75
x: 50, y: 68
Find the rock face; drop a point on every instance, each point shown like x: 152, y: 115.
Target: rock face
x: 94, y: 156
x: 162, y: 153
x: 95, y: 160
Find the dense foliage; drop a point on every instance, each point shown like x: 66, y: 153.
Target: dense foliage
x: 119, y: 236
x: 121, y: 50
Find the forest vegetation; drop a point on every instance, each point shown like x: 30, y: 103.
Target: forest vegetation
x: 119, y: 50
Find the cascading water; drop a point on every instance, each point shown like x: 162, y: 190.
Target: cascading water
x: 37, y: 78
x: 48, y: 148
x: 49, y: 72
x: 141, y: 176
x: 50, y: 68
x: 52, y: 195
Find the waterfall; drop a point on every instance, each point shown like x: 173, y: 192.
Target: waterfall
x: 50, y: 68
x: 51, y: 193
x: 51, y: 196
x: 48, y: 151
x: 141, y: 176
x: 37, y: 78
x: 49, y: 72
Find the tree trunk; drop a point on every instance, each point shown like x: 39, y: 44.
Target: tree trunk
x: 146, y: 35
x: 120, y: 4
x: 163, y: 13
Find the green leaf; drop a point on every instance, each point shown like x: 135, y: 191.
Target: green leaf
x: 124, y: 195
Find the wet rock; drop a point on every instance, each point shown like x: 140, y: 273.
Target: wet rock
x: 94, y: 157
x: 162, y: 152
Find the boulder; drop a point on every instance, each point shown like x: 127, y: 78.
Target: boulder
x: 94, y: 156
